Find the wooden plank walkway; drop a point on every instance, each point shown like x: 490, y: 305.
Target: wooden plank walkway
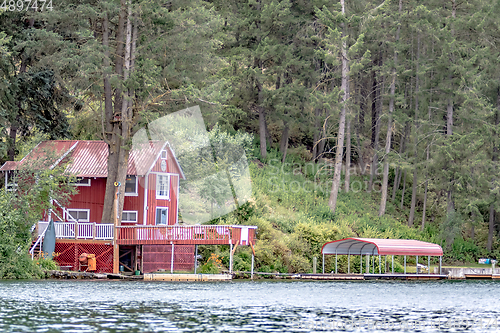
x: 402, y: 276
x: 331, y: 277
x: 187, y: 277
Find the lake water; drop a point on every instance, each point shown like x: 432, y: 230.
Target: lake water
x: 245, y: 306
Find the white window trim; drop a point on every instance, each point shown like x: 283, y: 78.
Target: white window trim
x: 131, y: 211
x: 163, y: 197
x: 68, y: 217
x: 136, y: 193
x: 79, y: 184
x: 12, y: 186
x: 156, y: 214
x: 166, y: 154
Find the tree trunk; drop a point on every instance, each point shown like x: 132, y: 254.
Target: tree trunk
x: 375, y: 96
x: 363, y: 96
x: 376, y: 110
x: 340, y: 142
x: 348, y: 155
x: 397, y: 177
x: 403, y: 193
x: 262, y: 121
x: 122, y: 121
x: 361, y: 160
x: 449, y: 124
x: 415, y: 176
x: 318, y: 134
x: 385, y: 180
x: 284, y: 141
x: 14, y: 126
x: 425, y: 192
x: 491, y: 228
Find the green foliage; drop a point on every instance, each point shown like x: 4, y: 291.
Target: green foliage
x: 46, y: 264
x: 15, y: 239
x: 37, y: 181
x: 212, y: 266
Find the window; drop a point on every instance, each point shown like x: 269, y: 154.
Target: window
x: 164, y: 154
x: 79, y: 215
x: 10, y: 178
x: 129, y: 216
x: 131, y: 186
x: 82, y: 181
x: 161, y: 216
x: 162, y: 186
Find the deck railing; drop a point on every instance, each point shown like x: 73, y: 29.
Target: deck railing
x: 153, y: 234
x: 162, y: 234
x: 79, y: 230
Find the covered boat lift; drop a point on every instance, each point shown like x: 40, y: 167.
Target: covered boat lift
x: 380, y: 247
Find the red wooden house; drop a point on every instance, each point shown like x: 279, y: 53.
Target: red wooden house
x: 148, y: 236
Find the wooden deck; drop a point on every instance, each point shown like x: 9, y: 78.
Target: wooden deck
x: 85, y: 232
x: 185, y: 235
x: 482, y: 276
x: 401, y: 276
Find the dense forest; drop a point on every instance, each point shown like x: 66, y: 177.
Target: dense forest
x: 384, y: 108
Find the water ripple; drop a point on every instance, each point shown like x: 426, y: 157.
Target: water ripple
x: 121, y: 306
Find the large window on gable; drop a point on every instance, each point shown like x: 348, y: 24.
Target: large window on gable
x: 163, y: 154
x: 131, y: 186
x: 162, y: 186
x: 79, y: 215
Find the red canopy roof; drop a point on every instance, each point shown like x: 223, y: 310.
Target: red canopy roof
x: 378, y: 246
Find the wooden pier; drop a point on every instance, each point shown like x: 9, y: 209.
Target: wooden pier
x: 345, y: 277
x: 187, y: 277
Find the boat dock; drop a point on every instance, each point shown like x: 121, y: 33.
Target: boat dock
x: 344, y: 277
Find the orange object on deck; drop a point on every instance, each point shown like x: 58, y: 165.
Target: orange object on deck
x: 92, y: 265
x: 89, y: 260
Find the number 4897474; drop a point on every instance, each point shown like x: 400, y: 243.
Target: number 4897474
x: 26, y: 5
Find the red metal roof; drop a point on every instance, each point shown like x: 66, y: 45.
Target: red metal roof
x: 90, y: 158
x: 378, y: 246
x: 9, y: 165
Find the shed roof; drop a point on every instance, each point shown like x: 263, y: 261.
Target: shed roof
x: 9, y: 165
x: 380, y: 246
x: 90, y: 158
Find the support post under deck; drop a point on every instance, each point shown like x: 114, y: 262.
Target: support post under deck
x: 231, y: 258
x: 253, y: 259
x: 195, y: 258
x: 172, y: 260
x: 393, y: 264
x: 440, y: 262
x: 335, y: 261
x: 323, y: 270
x: 417, y: 264
x: 405, y: 264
